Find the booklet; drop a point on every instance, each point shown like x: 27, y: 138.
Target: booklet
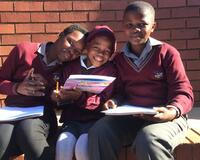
x: 18, y: 113
x: 129, y: 110
x: 89, y: 83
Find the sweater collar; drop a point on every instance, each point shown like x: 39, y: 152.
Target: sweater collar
x: 82, y: 61
x: 138, y: 60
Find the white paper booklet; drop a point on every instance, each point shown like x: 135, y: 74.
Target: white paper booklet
x: 129, y: 110
x: 89, y: 83
x: 17, y: 113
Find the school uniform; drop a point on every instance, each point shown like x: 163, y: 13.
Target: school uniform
x: 156, y: 78
x: 30, y: 135
x: 87, y: 107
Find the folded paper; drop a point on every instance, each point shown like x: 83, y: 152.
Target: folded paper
x: 129, y: 110
x: 18, y: 113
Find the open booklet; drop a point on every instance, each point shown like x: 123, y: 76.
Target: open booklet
x: 89, y: 83
x: 129, y: 110
x: 18, y: 113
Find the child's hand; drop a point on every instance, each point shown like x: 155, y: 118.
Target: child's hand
x: 32, y: 85
x: 39, y: 78
x: 69, y: 94
x: 109, y: 104
x: 55, y: 96
x: 164, y: 114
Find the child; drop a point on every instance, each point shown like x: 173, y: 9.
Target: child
x: 23, y: 78
x: 151, y: 74
x: 79, y: 115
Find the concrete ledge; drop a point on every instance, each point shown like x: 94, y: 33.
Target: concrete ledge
x: 190, y: 147
x: 188, y: 150
x: 194, y: 118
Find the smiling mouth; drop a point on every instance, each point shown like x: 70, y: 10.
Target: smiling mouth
x: 98, y: 59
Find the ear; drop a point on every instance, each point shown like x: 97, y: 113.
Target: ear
x: 153, y: 27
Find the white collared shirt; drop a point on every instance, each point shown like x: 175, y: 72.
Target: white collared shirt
x: 138, y: 60
x: 82, y: 58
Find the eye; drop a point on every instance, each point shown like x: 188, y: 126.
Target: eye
x: 95, y: 48
x: 133, y: 26
x: 142, y: 25
x: 107, y: 52
x: 69, y: 41
x: 129, y: 25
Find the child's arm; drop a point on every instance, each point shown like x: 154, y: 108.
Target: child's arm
x: 180, y: 95
x: 180, y: 92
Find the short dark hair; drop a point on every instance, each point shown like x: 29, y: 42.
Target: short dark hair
x: 141, y: 7
x: 72, y: 28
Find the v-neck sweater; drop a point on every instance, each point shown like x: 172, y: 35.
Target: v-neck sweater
x: 21, y: 59
x: 160, y: 80
x: 88, y: 106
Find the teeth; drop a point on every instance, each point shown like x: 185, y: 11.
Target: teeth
x: 98, y: 59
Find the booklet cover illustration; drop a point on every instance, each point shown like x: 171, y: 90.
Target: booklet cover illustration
x: 89, y: 83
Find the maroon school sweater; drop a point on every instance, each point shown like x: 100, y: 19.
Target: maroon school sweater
x: 88, y: 106
x: 160, y: 80
x: 21, y: 59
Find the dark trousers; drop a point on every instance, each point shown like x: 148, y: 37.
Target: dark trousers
x: 152, y: 141
x: 28, y: 136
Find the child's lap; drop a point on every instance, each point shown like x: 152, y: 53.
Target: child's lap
x: 76, y: 128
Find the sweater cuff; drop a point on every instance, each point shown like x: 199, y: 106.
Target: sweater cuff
x: 178, y: 112
x: 115, y: 101
x: 179, y: 106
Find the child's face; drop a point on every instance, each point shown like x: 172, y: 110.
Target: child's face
x: 69, y: 47
x: 138, y: 27
x: 98, y: 51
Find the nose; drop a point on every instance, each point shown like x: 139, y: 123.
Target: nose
x: 135, y: 28
x: 101, y: 54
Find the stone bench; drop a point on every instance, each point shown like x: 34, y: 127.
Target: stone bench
x: 188, y: 150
